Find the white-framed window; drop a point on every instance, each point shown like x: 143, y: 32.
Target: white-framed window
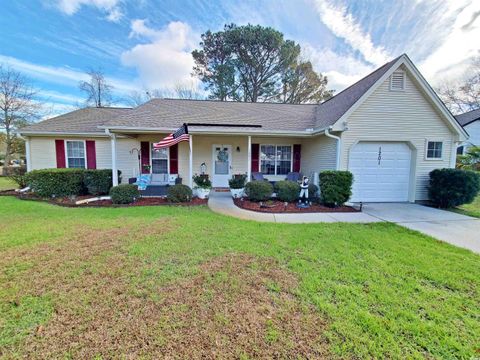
x: 434, y: 150
x: 275, y: 159
x: 159, y: 160
x: 397, y: 81
x: 76, y: 154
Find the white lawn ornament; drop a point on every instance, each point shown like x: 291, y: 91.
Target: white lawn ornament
x: 303, y: 199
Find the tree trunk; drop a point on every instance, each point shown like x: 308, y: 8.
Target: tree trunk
x: 8, y: 143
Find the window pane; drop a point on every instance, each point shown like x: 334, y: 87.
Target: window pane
x: 75, y: 154
x: 160, y: 153
x: 267, y: 159
x: 284, y: 159
x: 76, y: 163
x: 434, y: 149
x: 159, y: 166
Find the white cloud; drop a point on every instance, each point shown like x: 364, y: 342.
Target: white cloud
x: 60, y: 75
x: 166, y: 59
x: 459, y: 43
x: 341, y: 70
x: 343, y: 25
x: 111, y: 7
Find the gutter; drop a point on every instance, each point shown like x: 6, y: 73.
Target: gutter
x: 339, y: 145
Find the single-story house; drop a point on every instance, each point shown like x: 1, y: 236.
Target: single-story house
x: 389, y: 129
x: 471, y: 123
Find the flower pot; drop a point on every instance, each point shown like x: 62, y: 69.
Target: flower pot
x: 237, y: 193
x: 203, y: 193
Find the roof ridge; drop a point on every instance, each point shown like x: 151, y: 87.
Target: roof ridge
x: 231, y: 101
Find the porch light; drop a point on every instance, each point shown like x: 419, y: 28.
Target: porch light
x: 203, y: 168
x: 238, y: 148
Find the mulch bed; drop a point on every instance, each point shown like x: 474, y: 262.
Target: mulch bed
x: 276, y: 206
x: 70, y: 202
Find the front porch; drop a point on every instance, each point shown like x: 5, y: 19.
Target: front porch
x: 219, y: 156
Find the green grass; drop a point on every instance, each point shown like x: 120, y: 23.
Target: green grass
x: 384, y: 291
x: 472, y: 209
x: 6, y: 183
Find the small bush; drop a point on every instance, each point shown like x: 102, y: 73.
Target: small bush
x: 335, y: 187
x: 18, y: 175
x: 287, y: 190
x: 56, y: 182
x: 312, y: 191
x: 258, y: 190
x: 13, y: 170
x: 99, y: 182
x: 124, y: 194
x: 202, y: 181
x: 179, y: 193
x: 237, y: 181
x: 453, y: 187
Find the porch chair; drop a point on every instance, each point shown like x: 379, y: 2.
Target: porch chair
x: 294, y: 176
x: 258, y: 176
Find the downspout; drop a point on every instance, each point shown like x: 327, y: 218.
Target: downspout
x: 339, y: 145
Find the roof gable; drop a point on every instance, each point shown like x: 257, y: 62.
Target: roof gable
x: 420, y: 81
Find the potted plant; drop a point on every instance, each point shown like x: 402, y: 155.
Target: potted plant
x: 203, y: 185
x: 237, y: 185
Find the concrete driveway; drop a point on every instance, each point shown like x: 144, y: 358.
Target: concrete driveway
x: 456, y: 229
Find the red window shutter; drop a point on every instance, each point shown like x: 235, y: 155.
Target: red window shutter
x: 297, y: 155
x: 255, y: 157
x: 91, y: 154
x: 60, y: 151
x: 174, y: 159
x: 145, y: 156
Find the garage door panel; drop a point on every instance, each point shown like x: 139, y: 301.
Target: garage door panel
x: 384, y: 179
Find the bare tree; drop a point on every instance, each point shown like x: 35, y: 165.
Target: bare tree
x: 98, y: 91
x: 463, y: 96
x: 17, y: 104
x: 186, y: 90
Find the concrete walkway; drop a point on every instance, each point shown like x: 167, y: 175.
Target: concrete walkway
x: 456, y: 229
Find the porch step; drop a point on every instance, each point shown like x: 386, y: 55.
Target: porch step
x: 221, y: 189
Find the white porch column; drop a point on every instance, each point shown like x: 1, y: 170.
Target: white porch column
x: 113, y: 142
x: 249, y: 160
x: 28, y: 154
x: 190, y: 163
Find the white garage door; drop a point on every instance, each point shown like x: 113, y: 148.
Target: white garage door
x: 381, y: 171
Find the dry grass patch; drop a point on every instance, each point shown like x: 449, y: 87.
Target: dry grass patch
x: 239, y: 306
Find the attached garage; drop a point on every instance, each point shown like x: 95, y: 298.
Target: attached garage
x: 381, y: 171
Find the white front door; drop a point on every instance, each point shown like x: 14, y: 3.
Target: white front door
x: 381, y: 171
x: 222, y: 165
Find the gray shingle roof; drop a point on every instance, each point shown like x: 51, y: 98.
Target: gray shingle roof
x: 333, y: 109
x: 84, y: 120
x: 172, y: 113
x: 468, y: 117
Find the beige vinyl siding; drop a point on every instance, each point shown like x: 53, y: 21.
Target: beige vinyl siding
x: 103, y: 153
x: 405, y: 116
x: 42, y: 153
x: 318, y: 154
x: 127, y: 163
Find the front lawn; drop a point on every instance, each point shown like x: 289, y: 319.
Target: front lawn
x: 472, y: 209
x: 157, y: 282
x: 7, y: 184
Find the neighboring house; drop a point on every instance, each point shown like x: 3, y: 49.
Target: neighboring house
x: 389, y: 129
x: 471, y: 123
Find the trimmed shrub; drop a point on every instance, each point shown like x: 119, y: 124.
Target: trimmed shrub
x: 335, y: 187
x: 99, y: 181
x: 453, y: 187
x: 56, y: 182
x: 287, y: 190
x: 18, y: 175
x: 259, y: 190
x: 179, y: 193
x: 237, y: 181
x: 124, y: 194
x: 312, y: 191
x: 202, y: 181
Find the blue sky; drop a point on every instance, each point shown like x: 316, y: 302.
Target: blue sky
x: 146, y: 44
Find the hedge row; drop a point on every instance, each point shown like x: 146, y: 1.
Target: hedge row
x: 69, y: 182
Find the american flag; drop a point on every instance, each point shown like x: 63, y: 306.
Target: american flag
x: 174, y: 138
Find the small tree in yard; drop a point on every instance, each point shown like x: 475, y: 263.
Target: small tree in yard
x: 17, y: 105
x: 471, y: 160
